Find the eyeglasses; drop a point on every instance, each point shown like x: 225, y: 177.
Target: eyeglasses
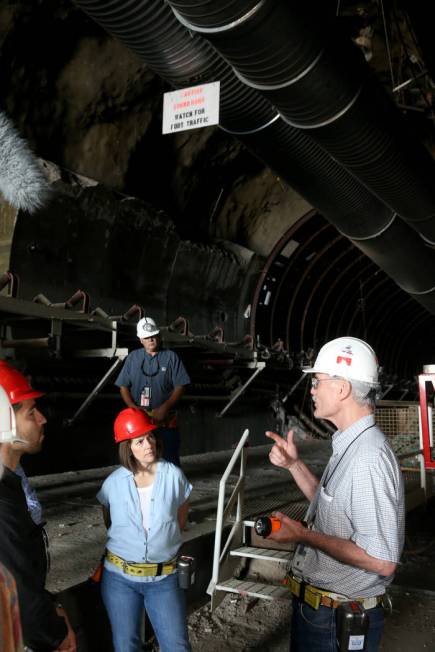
x: 315, y: 381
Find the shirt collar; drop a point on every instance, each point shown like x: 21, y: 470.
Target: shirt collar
x: 162, y: 467
x: 342, y: 438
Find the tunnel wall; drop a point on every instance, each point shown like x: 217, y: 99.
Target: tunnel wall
x: 122, y: 251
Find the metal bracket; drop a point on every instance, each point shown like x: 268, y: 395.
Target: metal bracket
x: 259, y: 367
x: 103, y: 382
x: 386, y: 391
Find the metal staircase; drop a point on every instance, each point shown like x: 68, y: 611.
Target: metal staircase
x: 236, y: 547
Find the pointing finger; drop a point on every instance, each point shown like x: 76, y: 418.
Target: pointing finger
x: 276, y: 438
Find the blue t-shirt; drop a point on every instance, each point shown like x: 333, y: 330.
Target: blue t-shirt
x: 126, y: 536
x: 33, y: 504
x: 161, y: 372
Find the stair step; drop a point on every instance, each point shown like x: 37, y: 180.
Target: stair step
x: 268, y: 554
x: 255, y: 589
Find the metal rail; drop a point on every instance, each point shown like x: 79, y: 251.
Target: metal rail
x: 223, y: 510
x: 420, y: 456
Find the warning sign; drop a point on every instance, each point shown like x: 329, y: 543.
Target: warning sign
x: 191, y: 108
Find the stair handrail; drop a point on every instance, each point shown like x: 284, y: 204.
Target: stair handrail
x: 223, y: 511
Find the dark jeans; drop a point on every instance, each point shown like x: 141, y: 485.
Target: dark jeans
x: 314, y: 630
x: 170, y: 437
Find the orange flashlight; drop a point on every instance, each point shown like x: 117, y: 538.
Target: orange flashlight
x: 265, y: 525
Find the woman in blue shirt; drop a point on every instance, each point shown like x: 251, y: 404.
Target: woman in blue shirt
x: 145, y: 505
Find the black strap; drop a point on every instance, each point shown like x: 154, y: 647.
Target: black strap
x: 328, y: 478
x: 143, y: 365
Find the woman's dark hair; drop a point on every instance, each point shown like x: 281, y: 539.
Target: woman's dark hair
x: 127, y: 458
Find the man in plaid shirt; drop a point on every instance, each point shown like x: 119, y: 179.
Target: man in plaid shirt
x: 351, y: 543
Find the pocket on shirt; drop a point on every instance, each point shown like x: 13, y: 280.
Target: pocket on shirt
x: 325, y: 507
x: 119, y: 513
x: 327, y: 498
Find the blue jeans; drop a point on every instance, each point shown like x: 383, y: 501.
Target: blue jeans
x: 165, y: 604
x: 170, y: 437
x: 313, y: 630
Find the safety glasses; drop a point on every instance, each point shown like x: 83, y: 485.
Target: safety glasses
x: 315, y: 381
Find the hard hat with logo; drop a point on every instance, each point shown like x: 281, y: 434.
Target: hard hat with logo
x: 146, y: 327
x: 131, y: 423
x: 16, y: 385
x: 349, y: 358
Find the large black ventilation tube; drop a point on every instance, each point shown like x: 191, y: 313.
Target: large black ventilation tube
x: 149, y: 28
x: 320, y: 82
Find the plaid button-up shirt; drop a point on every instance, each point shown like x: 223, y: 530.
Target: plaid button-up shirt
x: 359, y: 498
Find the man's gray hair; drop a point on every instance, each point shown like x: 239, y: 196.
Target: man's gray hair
x: 364, y: 393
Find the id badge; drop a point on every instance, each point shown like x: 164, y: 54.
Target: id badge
x: 145, y: 397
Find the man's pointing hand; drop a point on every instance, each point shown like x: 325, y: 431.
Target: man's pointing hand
x: 284, y: 452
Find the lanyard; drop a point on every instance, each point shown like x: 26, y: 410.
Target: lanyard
x: 150, y: 375
x: 312, y: 509
x: 329, y: 476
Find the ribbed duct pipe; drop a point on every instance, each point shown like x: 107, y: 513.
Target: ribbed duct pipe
x: 149, y: 28
x: 389, y: 242
x: 320, y: 83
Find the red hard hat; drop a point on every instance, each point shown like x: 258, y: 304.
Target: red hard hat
x: 16, y: 385
x: 132, y: 423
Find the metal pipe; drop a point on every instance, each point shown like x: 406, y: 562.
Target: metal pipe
x: 150, y: 29
x: 95, y: 391
x: 320, y: 83
x: 410, y: 81
x: 260, y: 367
x: 30, y: 343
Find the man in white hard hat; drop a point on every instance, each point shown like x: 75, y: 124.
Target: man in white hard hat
x: 351, y: 543
x: 155, y: 379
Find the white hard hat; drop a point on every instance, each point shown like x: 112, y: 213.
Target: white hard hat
x: 146, y: 327
x: 8, y: 431
x: 349, y: 358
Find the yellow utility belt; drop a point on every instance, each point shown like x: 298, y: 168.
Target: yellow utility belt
x: 141, y: 570
x: 315, y: 597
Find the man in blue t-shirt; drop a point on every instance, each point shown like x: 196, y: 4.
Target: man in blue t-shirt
x: 154, y: 379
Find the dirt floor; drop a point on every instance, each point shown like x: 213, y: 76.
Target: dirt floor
x: 238, y: 624
x: 241, y: 626
x: 74, y: 518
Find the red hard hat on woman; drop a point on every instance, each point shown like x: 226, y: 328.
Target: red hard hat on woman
x: 131, y: 423
x: 16, y: 385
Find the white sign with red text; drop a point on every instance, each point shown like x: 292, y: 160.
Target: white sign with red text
x: 191, y: 108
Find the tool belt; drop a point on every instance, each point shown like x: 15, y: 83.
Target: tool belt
x: 315, y: 597
x: 141, y: 570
